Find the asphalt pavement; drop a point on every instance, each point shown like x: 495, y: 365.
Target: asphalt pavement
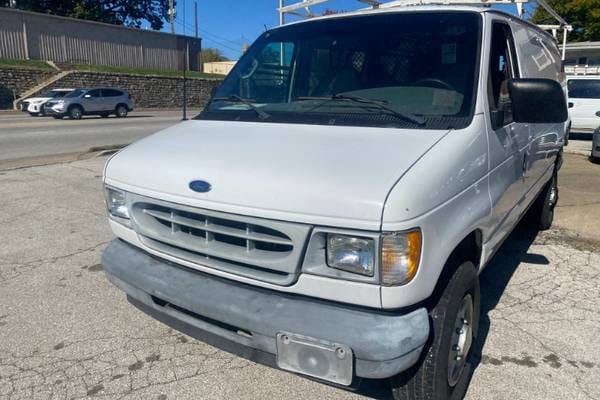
x: 66, y: 333
x: 23, y: 136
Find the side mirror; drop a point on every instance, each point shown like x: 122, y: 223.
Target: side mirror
x: 538, y: 101
x: 571, y: 105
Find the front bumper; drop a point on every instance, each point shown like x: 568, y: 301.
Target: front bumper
x: 245, y: 320
x: 53, y: 111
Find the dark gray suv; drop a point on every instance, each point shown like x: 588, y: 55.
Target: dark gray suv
x: 96, y: 101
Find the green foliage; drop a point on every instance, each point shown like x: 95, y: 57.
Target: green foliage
x: 211, y: 55
x: 119, y: 12
x: 584, y: 15
x: 37, y: 64
x: 144, y: 71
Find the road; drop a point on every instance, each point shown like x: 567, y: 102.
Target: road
x: 66, y: 333
x: 23, y: 136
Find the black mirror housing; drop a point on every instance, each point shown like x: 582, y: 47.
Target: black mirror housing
x: 538, y: 101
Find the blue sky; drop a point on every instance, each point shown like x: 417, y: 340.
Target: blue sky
x: 228, y: 24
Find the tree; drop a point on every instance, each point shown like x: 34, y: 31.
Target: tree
x: 211, y: 55
x: 119, y: 12
x: 584, y: 15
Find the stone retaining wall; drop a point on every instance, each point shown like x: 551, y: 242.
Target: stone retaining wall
x: 148, y: 91
x: 15, y: 81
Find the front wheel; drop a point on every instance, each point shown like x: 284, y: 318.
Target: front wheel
x: 446, y: 366
x: 75, y: 112
x: 121, y: 111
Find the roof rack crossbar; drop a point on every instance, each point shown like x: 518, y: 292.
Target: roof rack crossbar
x: 301, y: 8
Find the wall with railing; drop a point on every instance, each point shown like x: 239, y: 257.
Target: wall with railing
x: 26, y: 35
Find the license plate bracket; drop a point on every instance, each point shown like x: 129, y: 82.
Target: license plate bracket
x: 332, y: 362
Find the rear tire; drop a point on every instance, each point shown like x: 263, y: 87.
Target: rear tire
x: 75, y: 112
x: 57, y: 116
x: 34, y: 114
x: 446, y: 365
x: 541, y: 214
x: 121, y: 111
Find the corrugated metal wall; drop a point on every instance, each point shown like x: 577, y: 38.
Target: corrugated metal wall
x: 26, y: 35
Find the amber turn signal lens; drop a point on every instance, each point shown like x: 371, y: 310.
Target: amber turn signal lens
x: 400, y: 257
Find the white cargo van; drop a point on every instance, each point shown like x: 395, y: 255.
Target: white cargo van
x: 584, y: 102
x: 330, y: 210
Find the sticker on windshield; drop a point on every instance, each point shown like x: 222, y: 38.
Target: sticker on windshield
x: 449, y: 53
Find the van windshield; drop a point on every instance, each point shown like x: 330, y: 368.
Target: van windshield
x: 394, y: 70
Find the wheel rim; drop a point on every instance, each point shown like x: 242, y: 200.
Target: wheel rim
x: 76, y: 113
x: 462, y: 339
x: 553, y: 194
x: 121, y: 111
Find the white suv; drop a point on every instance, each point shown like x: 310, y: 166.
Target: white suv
x: 330, y: 210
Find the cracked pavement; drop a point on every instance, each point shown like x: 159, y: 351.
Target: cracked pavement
x: 66, y: 333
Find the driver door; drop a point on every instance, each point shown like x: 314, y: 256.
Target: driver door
x: 508, y: 141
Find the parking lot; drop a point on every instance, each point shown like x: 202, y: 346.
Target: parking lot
x: 66, y: 333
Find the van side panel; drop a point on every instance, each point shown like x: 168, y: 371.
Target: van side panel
x: 540, y: 57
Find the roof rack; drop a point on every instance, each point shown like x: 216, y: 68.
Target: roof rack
x: 302, y: 8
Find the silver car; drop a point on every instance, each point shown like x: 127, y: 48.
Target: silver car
x: 96, y: 101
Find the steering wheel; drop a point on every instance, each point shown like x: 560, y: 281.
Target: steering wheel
x: 433, y: 82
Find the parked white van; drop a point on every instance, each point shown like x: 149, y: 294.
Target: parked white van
x: 584, y: 102
x: 330, y: 210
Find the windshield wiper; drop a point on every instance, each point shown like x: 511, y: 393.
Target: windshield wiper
x: 380, y: 104
x: 238, y: 99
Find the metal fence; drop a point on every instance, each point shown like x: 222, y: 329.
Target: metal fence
x: 27, y: 35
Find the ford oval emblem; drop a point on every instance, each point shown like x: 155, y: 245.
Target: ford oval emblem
x: 200, y: 186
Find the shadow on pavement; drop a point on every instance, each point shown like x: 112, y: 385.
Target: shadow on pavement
x: 581, y: 136
x: 494, y: 280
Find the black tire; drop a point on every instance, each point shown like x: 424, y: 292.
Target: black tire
x: 34, y: 114
x: 567, y: 134
x: 121, y: 111
x: 75, y: 112
x: 57, y: 116
x: 541, y: 213
x: 430, y: 379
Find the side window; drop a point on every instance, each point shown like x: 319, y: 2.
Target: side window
x: 503, y: 67
x: 584, y: 88
x: 94, y: 93
x: 111, y: 93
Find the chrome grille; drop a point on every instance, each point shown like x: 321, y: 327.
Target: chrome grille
x: 255, y: 248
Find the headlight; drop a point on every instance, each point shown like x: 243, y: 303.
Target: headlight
x: 116, y: 203
x: 400, y: 256
x: 352, y: 254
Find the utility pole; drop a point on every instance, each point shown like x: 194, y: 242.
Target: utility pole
x: 281, y: 14
x: 172, y: 15
x: 196, y: 17
x: 185, y: 67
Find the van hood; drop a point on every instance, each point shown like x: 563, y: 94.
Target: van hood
x: 323, y: 175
